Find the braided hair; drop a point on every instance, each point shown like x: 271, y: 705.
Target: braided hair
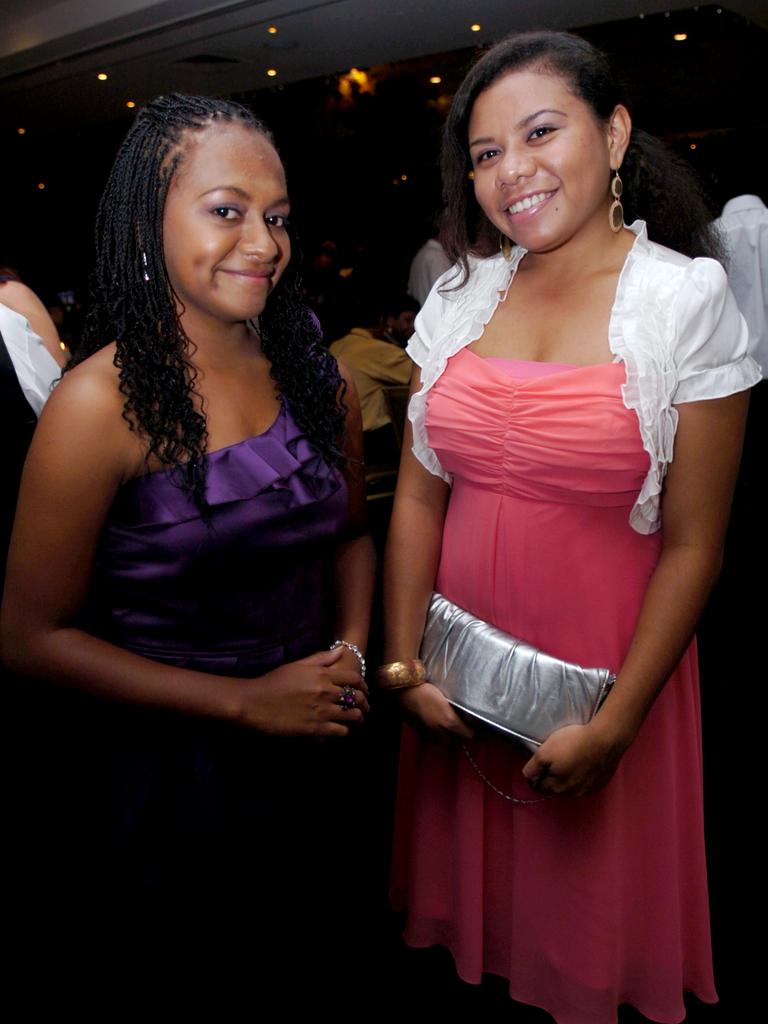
x: 132, y: 303
x: 658, y: 186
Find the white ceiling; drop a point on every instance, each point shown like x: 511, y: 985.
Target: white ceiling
x: 51, y: 52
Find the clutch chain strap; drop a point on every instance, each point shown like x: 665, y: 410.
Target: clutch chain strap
x: 500, y: 792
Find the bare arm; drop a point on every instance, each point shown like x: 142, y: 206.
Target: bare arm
x: 696, y: 505
x: 81, y: 453
x: 355, y: 564
x: 410, y: 568
x: 24, y: 301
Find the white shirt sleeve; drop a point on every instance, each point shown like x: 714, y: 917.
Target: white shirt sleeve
x: 35, y: 367
x: 712, y: 339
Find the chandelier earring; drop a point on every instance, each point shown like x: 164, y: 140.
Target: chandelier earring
x: 616, y: 212
x: 505, y: 247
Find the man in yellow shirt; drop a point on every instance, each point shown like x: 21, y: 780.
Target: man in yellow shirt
x: 375, y: 358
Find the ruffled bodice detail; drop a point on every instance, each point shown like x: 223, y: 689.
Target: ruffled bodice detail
x: 239, y: 587
x: 279, y: 460
x: 542, y: 429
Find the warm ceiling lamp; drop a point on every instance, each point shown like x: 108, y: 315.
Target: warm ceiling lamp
x: 680, y: 37
x: 22, y: 131
x: 272, y: 30
x: 130, y: 104
x: 476, y: 27
x: 41, y: 184
x: 102, y: 76
x: 693, y: 145
x: 435, y: 80
x: 271, y: 72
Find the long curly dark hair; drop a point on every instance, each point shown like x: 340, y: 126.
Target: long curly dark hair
x: 658, y: 186
x: 132, y: 303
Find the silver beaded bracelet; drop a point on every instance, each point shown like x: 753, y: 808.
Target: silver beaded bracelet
x: 355, y: 650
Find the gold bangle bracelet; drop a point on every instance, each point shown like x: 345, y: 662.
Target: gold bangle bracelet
x: 399, y: 675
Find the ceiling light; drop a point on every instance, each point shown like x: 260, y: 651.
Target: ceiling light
x: 476, y: 27
x: 102, y: 76
x: 41, y: 184
x: 130, y: 104
x: 693, y: 145
x: 680, y: 37
x: 22, y: 131
x: 271, y: 72
x: 272, y: 30
x: 435, y: 80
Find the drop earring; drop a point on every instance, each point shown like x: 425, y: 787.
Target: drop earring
x: 616, y: 212
x: 505, y: 247
x: 144, y: 263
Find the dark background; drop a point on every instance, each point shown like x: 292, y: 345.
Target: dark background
x: 346, y: 156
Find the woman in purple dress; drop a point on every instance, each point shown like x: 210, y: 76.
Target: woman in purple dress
x: 190, y: 551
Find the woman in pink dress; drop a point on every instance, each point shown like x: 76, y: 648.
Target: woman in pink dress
x: 577, y: 385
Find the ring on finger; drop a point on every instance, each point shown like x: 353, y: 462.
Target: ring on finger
x: 347, y: 699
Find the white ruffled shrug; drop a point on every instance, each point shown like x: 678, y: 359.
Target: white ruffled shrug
x: 674, y: 324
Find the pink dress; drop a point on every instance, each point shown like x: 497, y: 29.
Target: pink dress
x: 582, y: 904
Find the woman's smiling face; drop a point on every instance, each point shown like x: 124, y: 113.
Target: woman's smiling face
x: 542, y: 161
x: 225, y: 237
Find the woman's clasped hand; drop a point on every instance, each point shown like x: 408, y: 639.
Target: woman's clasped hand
x: 320, y: 695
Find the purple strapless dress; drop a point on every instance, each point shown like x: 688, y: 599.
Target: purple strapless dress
x: 163, y: 846
x: 192, y: 803
x: 237, y: 595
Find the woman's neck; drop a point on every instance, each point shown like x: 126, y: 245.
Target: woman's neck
x: 581, y: 257
x: 223, y: 347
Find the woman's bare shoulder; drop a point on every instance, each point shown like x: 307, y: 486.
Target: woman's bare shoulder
x: 87, y: 407
x: 90, y: 390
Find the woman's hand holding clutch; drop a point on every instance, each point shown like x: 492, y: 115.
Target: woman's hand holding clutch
x: 576, y: 760
x: 426, y: 708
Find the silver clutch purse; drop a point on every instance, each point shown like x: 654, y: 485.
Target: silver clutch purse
x: 504, y: 682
